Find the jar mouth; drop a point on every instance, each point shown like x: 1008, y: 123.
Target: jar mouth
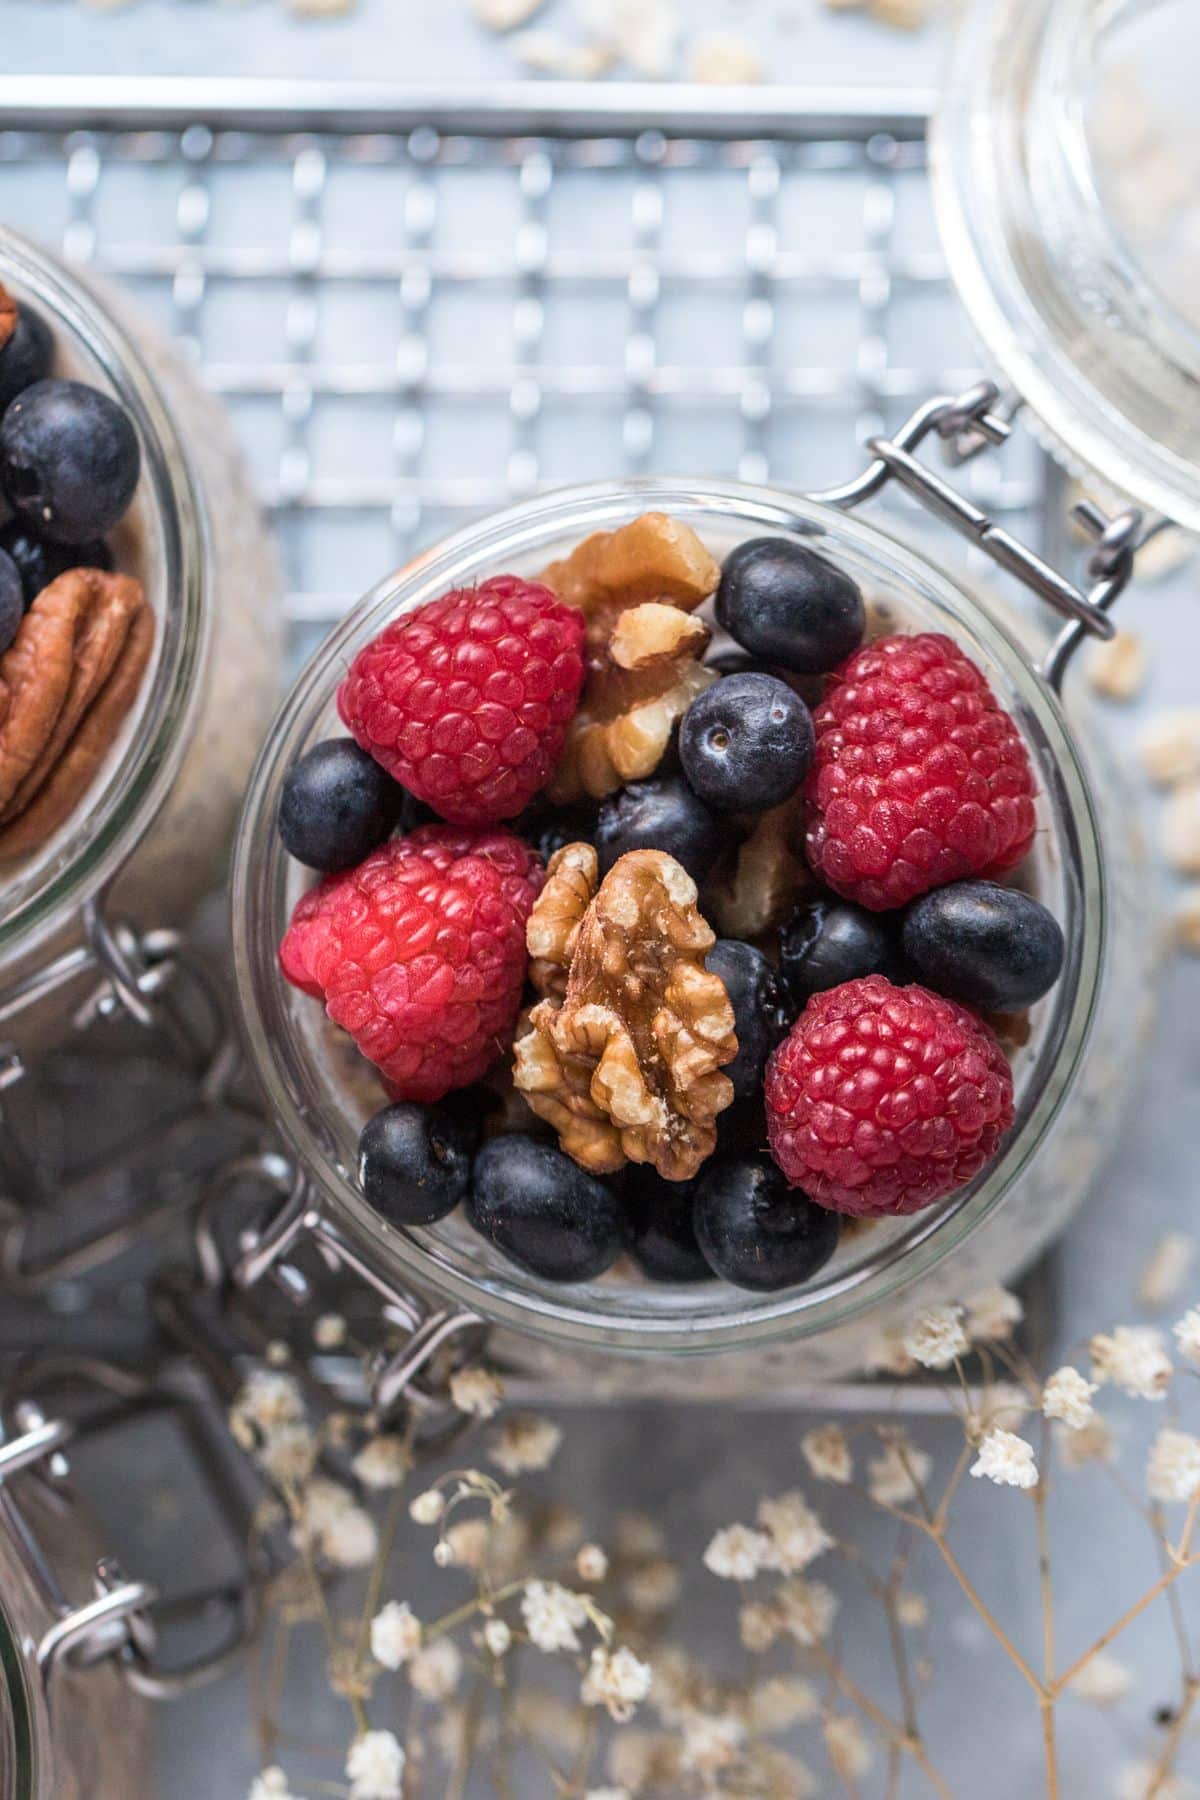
x: 164, y: 542
x: 290, y: 1039
x: 1063, y: 286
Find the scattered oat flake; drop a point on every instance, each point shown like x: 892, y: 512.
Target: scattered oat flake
x: 320, y: 9
x: 906, y: 15
x: 724, y: 57
x: 1170, y: 746
x: 504, y: 15
x: 1118, y: 668
x: 1102, y: 1681
x: 1187, y: 922
x: 1181, y: 828
x: 1166, y: 1270
x: 644, y: 33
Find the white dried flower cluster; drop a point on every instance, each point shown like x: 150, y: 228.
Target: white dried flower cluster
x: 654, y: 1588
x: 993, y: 1314
x: 796, y: 1536
x: 591, y: 1564
x: 848, y: 1749
x: 618, y: 1680
x: 382, y: 1462
x: 737, y: 1553
x: 1173, y: 1470
x: 1166, y: 1270
x: 782, y: 1701
x: 272, y: 1784
x: 899, y: 1472
x: 267, y: 1420
x: 827, y: 1454
x: 497, y: 1637
x: 1187, y: 1334
x: 1133, y: 1358
x: 395, y: 1634
x: 331, y: 1524
x: 1006, y: 1459
x: 759, y: 1625
x: 464, y: 1545
x: 1067, y: 1397
x: 375, y: 1767
x: 912, y: 1610
x: 711, y: 1741
x: 1145, y: 1780
x: 435, y: 1670
x: 885, y: 1354
x: 935, y: 1337
x: 329, y: 1331
x: 1102, y: 1681
x: 428, y: 1507
x: 553, y: 1615
x: 525, y: 1443
x: 1093, y: 1442
x: 807, y: 1610
x: 477, y: 1391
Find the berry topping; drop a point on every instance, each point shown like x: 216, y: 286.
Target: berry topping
x: 551, y: 829
x: 69, y: 460
x: 989, y: 946
x: 545, y: 1212
x: 337, y: 804
x: 759, y: 1016
x: 27, y: 355
x: 414, y: 1162
x: 419, y: 953
x: 467, y: 700
x: 920, y: 776
x: 757, y: 1232
x: 662, y: 1231
x: 789, y: 606
x: 747, y: 743
x: 42, y: 562
x: 884, y: 1099
x: 660, y: 815
x: 12, y: 601
x: 829, y: 941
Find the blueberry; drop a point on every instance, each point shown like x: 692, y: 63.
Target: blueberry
x: 759, y: 1014
x: 543, y: 1211
x: 756, y: 1231
x: 663, y: 814
x: 735, y: 662
x: 69, y: 460
x: 414, y: 1162
x: 336, y: 805
x: 986, y: 945
x: 12, y: 601
x: 548, y: 829
x: 662, y: 1233
x: 27, y: 356
x: 830, y: 941
x: 789, y: 606
x: 42, y: 562
x: 747, y: 743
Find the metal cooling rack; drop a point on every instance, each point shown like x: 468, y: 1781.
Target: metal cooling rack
x: 419, y: 308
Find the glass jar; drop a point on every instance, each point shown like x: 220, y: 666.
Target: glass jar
x: 147, y: 839
x: 1066, y: 1076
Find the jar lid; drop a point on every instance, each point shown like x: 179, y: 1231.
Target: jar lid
x: 1065, y: 155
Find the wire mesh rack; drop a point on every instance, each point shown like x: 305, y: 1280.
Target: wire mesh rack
x: 420, y: 309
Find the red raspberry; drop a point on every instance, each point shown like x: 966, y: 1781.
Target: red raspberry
x: 467, y: 700
x: 884, y: 1099
x: 419, y: 953
x: 919, y: 778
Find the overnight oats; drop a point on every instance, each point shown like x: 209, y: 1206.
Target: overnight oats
x: 139, y: 635
x: 673, y: 919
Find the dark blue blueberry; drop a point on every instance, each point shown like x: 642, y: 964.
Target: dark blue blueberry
x: 830, y: 941
x: 759, y: 1012
x: 747, y: 743
x: 755, y: 1231
x: 663, y: 814
x: 69, y: 460
x: 414, y: 1162
x: 787, y: 605
x: 662, y: 1234
x: 543, y: 1211
x: 735, y: 662
x: 337, y: 804
x: 27, y: 357
x: 548, y: 829
x: 42, y: 562
x: 12, y: 601
x: 986, y: 945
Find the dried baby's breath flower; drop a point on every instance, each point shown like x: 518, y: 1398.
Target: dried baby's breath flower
x: 912, y: 1610
x: 375, y: 1767
x: 1117, y: 669
x: 467, y: 1543
x: 724, y: 56
x: 781, y: 1701
x: 427, y: 1508
x: 1187, y: 1334
x: 886, y: 1353
x: 1146, y: 1780
x: 899, y: 1472
x: 711, y: 1741
x: 807, y: 1610
x: 1181, y: 828
x: 435, y: 1670
x: 1173, y: 1471
x: 1102, y: 1681
x: 272, y: 1784
x: 992, y: 1314
x: 1166, y: 1270
x: 395, y: 1634
x: 329, y: 1331
x: 1067, y: 1396
x: 332, y: 1525
x: 288, y: 1454
x: 1093, y: 1442
x: 636, y: 1534
x: 848, y: 1749
x: 1006, y: 1459
x: 477, y: 1391
x: 935, y: 1337
x: 797, y: 1536
x: 278, y: 1354
x: 618, y: 1680
x: 737, y: 1553
x: 759, y: 1625
x: 1134, y: 1359
x: 645, y: 1759
x: 1170, y: 747
x: 525, y: 1443
x: 827, y: 1454
x: 553, y: 1616
x: 654, y: 1588
x: 497, y: 1637
x: 382, y: 1462
x: 266, y: 1402
x: 591, y: 1564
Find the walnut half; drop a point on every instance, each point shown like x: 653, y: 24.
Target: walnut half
x: 626, y: 1065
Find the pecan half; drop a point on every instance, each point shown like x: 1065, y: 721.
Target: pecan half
x: 636, y: 587
x: 626, y: 1066
x: 8, y: 315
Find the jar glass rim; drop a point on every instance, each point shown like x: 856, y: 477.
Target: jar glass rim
x: 256, y: 894
x: 113, y: 818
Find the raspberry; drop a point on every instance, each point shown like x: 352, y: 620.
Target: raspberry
x: 419, y: 953
x: 885, y: 1099
x: 467, y: 701
x: 920, y: 777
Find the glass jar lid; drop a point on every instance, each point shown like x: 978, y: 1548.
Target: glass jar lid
x: 1065, y: 157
